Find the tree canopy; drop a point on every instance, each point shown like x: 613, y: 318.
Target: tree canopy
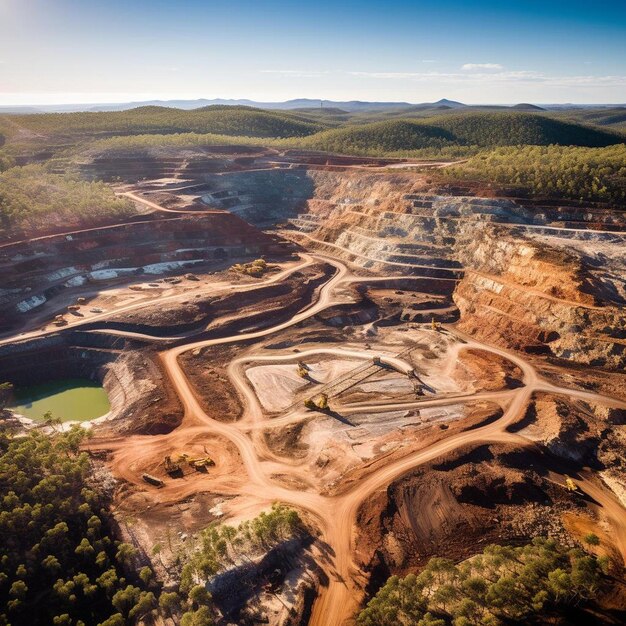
x: 58, y: 561
x: 597, y: 174
x: 501, y: 585
x: 32, y: 198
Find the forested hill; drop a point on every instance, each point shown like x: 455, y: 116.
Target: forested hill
x: 333, y: 132
x: 614, y: 117
x: 467, y: 129
x: 222, y: 120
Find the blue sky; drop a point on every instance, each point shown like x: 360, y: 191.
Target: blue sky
x: 61, y: 51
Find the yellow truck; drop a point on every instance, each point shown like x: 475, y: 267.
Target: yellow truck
x: 153, y: 480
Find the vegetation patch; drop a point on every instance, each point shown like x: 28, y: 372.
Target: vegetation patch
x: 469, y: 130
x: 58, y: 561
x: 225, y: 120
x: 223, y: 547
x: 33, y: 199
x: 502, y: 585
x: 596, y: 174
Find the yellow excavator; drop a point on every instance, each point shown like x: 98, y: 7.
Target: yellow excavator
x: 570, y: 485
x: 303, y: 369
x: 434, y: 324
x: 201, y: 464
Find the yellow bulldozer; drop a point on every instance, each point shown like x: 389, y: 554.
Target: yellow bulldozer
x: 319, y: 402
x: 173, y: 468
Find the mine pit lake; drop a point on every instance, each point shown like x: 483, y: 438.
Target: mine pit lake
x: 71, y: 399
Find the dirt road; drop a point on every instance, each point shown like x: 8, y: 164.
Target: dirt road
x: 158, y: 207
x: 306, y: 261
x: 334, y: 514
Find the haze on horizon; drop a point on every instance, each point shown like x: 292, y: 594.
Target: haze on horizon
x: 476, y: 51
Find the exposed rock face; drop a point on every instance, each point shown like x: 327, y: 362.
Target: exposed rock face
x: 39, y: 269
x: 482, y: 495
x: 541, y: 280
x: 589, y: 435
x: 528, y: 295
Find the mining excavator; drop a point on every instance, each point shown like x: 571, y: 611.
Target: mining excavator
x: 303, y: 369
x: 434, y: 324
x: 174, y: 467
x: 570, y: 485
x: 201, y: 464
x: 319, y: 402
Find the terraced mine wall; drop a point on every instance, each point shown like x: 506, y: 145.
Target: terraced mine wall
x: 134, y: 166
x: 399, y: 223
x: 194, y: 163
x: 50, y: 358
x: 261, y: 197
x: 37, y: 270
x: 478, y: 247
x: 539, y: 279
x: 541, y: 299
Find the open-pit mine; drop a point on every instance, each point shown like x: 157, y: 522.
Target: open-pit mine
x: 417, y: 369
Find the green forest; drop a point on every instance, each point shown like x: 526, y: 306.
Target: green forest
x: 58, y: 561
x: 467, y: 130
x: 328, y: 133
x: 596, y: 174
x: 502, y: 585
x: 223, y: 120
x: 33, y: 198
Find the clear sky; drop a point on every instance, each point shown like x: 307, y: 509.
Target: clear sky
x: 497, y: 51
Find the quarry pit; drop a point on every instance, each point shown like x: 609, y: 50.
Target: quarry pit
x: 409, y: 364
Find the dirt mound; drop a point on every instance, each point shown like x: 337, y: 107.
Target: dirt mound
x: 480, y: 495
x: 478, y: 370
x: 587, y: 434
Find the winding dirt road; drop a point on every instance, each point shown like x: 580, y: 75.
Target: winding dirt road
x: 335, y: 513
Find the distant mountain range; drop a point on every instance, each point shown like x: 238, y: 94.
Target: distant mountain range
x: 352, y: 106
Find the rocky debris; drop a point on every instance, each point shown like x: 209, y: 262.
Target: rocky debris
x: 589, y: 435
x: 478, y: 370
x: 172, y: 316
x: 141, y: 401
x: 490, y: 494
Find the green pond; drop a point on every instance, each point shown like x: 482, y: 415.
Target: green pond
x: 71, y: 399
